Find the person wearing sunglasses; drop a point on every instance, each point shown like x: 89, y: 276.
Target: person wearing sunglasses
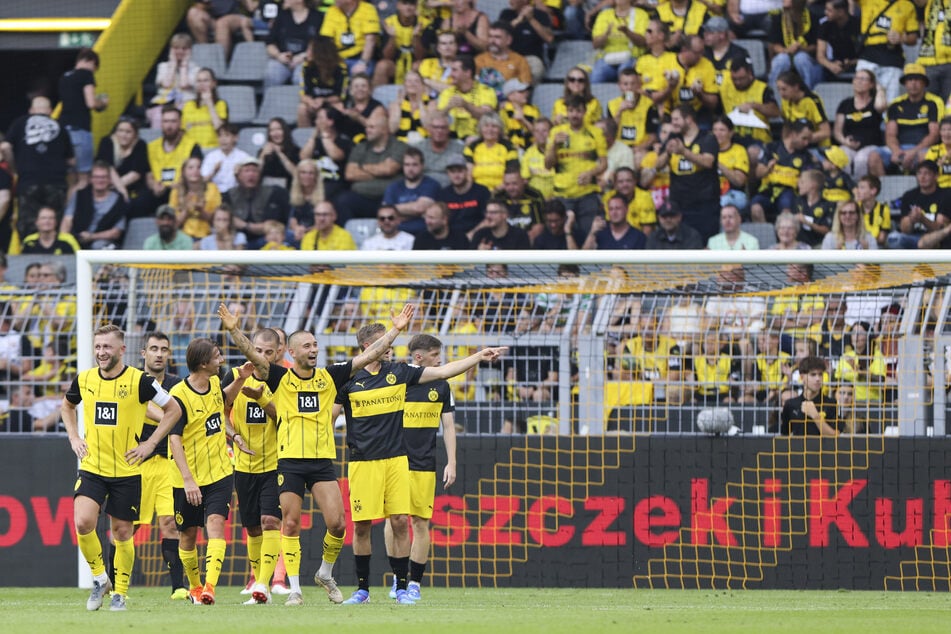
x: 577, y: 83
x: 388, y: 237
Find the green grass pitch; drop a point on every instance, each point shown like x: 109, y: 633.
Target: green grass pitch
x: 458, y: 611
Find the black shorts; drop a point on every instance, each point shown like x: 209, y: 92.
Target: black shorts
x: 122, y: 496
x: 215, y: 500
x: 257, y: 496
x: 299, y: 475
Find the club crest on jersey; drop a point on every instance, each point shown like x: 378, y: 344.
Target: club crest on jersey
x: 123, y: 391
x: 179, y: 519
x: 433, y: 395
x: 321, y: 384
x: 391, y: 378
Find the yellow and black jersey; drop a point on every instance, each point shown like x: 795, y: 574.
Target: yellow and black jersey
x: 350, y: 32
x: 305, y: 426
x: 431, y: 68
x: 878, y: 17
x: 526, y: 210
x: 713, y: 375
x: 636, y: 123
x: 734, y: 157
x: 113, y: 413
x: 914, y: 117
x: 593, y: 111
x: 248, y: 419
x: 422, y: 414
x: 940, y: 155
x: 689, y: 23
x: 936, y: 43
x: 518, y: 133
x: 653, y: 69
x: 757, y: 92
x: 489, y: 162
x: 879, y: 219
x: 148, y: 427
x: 166, y: 165
x: 838, y: 187
x: 789, y: 165
x: 641, y: 211
x: 313, y: 85
x: 411, y: 120
x: 809, y: 108
x: 768, y: 371
x: 535, y: 172
x: 202, y: 429
x: 654, y: 364
x: 580, y: 153
x: 404, y: 43
x: 817, y: 214
x: 704, y: 72
x: 463, y: 123
x: 373, y: 403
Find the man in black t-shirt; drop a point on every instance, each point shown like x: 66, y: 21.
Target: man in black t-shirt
x: 812, y: 413
x: 560, y: 231
x: 465, y: 199
x: 439, y: 236
x: 77, y: 92
x: 532, y: 30
x: 837, y: 40
x: 495, y: 233
x: 40, y: 151
x: 924, y: 209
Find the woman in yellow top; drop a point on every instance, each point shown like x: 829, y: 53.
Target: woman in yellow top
x: 194, y: 200
x: 712, y: 366
x: 577, y: 82
x: 863, y: 365
x: 618, y: 38
x: 202, y: 115
x: 733, y: 163
x: 792, y: 42
x: 489, y: 155
x: 940, y: 153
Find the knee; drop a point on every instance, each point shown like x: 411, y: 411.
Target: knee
x: 336, y: 525
x: 362, y: 529
x: 291, y: 525
x: 398, y: 524
x: 270, y: 523
x: 122, y: 532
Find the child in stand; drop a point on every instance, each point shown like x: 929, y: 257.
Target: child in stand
x: 838, y: 184
x: 274, y: 233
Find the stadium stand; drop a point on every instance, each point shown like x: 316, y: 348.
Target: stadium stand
x: 569, y: 54
x: 210, y: 56
x: 240, y: 100
x: 832, y: 94
x: 765, y: 232
x: 278, y: 101
x: 137, y: 230
x: 757, y: 50
x: 248, y: 61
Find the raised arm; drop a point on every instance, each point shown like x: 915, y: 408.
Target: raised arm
x: 230, y: 323
x: 381, y: 345
x: 461, y: 365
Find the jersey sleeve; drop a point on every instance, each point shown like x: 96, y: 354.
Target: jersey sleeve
x: 150, y: 390
x: 73, y: 395
x: 340, y: 373
x: 179, y: 428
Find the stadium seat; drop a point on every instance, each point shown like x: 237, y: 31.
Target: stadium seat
x: 361, y: 229
x: 765, y: 232
x: 386, y: 93
x: 137, y: 231
x: 150, y: 134
x: 248, y: 62
x: 210, y: 56
x: 911, y: 52
x: 279, y: 101
x: 757, y: 54
x: 832, y: 93
x: 251, y: 140
x: 240, y: 100
x: 492, y: 8
x: 894, y: 186
x: 605, y: 92
x: 545, y: 95
x: 569, y: 54
x: 301, y: 135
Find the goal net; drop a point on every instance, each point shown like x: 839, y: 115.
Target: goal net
x: 599, y: 343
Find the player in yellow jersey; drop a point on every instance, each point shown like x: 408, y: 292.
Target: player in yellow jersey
x: 428, y: 406
x: 199, y: 445
x: 373, y: 401
x: 115, y: 399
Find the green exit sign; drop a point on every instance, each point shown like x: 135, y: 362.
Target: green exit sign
x: 76, y: 39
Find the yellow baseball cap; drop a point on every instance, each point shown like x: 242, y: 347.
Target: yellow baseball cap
x: 837, y: 156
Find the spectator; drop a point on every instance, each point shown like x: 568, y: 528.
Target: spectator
x: 359, y: 106
x: 174, y: 78
x: 812, y: 413
x: 720, y: 48
x: 224, y: 234
x: 437, y: 147
x: 466, y: 100
x: 837, y: 40
x: 618, y: 39
x: 48, y: 239
x: 697, y: 86
x: 672, y: 233
x: 203, y: 115
x: 465, y: 199
x: 654, y: 176
x: 732, y: 238
x: 885, y: 29
x: 167, y: 154
x: 413, y: 194
x: 291, y: 32
x: 470, y: 26
x: 16, y: 351
x: 838, y: 184
x: 878, y: 216
x: 324, y: 80
x: 619, y: 156
x: 129, y: 158
x: 168, y: 238
x: 223, y: 17
x: 532, y: 30
x: 252, y: 202
x: 499, y: 63
x: 733, y: 163
x: 439, y: 235
x: 684, y: 19
x: 402, y: 44
x: 858, y: 124
x: 924, y: 209
x: 750, y: 16
x: 741, y: 91
x: 96, y: 215
x: 940, y: 153
x: 863, y: 365
x: 330, y: 148
x: 409, y: 112
x: 911, y: 122
x: 935, y: 50
x: 577, y: 153
x: 811, y: 210
x: 518, y: 115
x: 373, y: 164
x: 495, y: 233
x: 658, y: 67
x: 218, y: 165
x: 77, y: 93
x: 711, y: 367
x: 635, y: 115
x: 326, y: 234
x: 799, y: 103
x: 787, y: 233
x: 616, y: 232
x: 6, y: 210
x: 194, y: 200
x: 577, y: 84
x: 792, y: 44
x: 525, y: 203
x: 641, y: 212
x: 39, y: 151
x: 694, y: 183
x: 278, y: 154
x: 848, y: 229
x: 274, y: 235
x: 490, y: 153
x: 388, y: 236
x: 559, y: 231
x: 782, y: 163
x: 355, y: 27
x: 307, y: 189
x: 771, y: 368
x: 437, y: 71
x: 534, y: 170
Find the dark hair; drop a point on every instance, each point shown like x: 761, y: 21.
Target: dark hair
x: 467, y: 63
x: 576, y: 102
x: 170, y: 107
x: 793, y: 78
x: 287, y: 145
x: 154, y: 334
x: 230, y: 128
x: 554, y: 206
x: 199, y: 352
x: 628, y: 72
x: 423, y: 342
x: 873, y: 181
x: 415, y: 152
x: 266, y: 334
x: 686, y: 111
x: 495, y: 200
x: 325, y: 57
x: 797, y: 126
x: 88, y: 55
x: 811, y: 363
x: 725, y: 120
x: 214, y: 91
x: 499, y: 25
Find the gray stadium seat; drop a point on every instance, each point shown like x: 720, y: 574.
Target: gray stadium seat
x: 569, y: 54
x: 248, y: 62
x: 302, y: 135
x: 386, y: 93
x: 137, y: 231
x: 240, y: 100
x: 492, y: 8
x: 832, y: 94
x: 757, y: 54
x: 605, y: 92
x: 251, y: 140
x: 361, y: 229
x: 210, y: 56
x: 762, y: 231
x: 150, y: 134
x: 279, y: 101
x: 545, y: 95
x: 894, y: 186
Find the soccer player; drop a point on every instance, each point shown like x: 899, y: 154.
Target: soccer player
x: 114, y: 398
x: 198, y: 443
x: 303, y: 402
x: 427, y: 406
x: 379, y: 469
x: 157, y: 469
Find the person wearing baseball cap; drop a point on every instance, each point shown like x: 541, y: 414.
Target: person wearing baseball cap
x: 720, y: 49
x: 911, y: 121
x: 518, y: 114
x: 839, y: 184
